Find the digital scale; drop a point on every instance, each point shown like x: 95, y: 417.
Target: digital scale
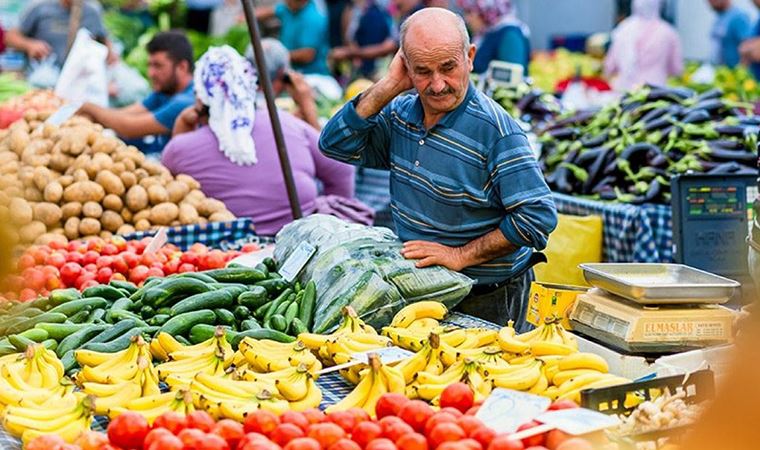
x: 500, y: 74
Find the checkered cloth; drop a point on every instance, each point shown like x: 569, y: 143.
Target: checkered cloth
x: 632, y: 233
x: 222, y: 235
x: 333, y: 386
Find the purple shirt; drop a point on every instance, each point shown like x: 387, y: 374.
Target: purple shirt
x: 258, y: 191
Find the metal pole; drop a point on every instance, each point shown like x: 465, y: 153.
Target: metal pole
x: 75, y: 19
x: 266, y: 83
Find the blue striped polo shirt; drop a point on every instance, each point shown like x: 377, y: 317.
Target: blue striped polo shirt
x: 471, y: 173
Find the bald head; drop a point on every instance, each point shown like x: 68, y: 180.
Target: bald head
x: 426, y: 24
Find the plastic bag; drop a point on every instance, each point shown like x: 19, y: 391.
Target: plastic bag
x: 576, y: 240
x: 43, y: 74
x: 131, y: 87
x: 83, y: 77
x: 362, y: 267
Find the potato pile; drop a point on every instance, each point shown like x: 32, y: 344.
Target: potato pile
x: 74, y: 181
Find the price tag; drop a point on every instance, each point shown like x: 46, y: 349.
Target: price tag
x: 388, y: 355
x: 578, y: 421
x: 253, y: 258
x: 505, y: 410
x: 297, y: 261
x: 64, y: 113
x: 158, y: 241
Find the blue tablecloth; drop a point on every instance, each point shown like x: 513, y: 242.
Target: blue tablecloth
x: 221, y: 235
x: 632, y: 233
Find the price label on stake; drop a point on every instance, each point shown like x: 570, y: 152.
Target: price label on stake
x: 388, y: 355
x: 505, y: 410
x: 158, y: 241
x: 297, y: 261
x: 63, y: 113
x: 575, y: 422
x: 251, y: 259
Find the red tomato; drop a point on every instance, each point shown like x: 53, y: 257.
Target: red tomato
x: 286, y: 432
x: 56, y: 259
x: 230, y: 431
x: 563, y: 404
x: 34, y: 279
x: 167, y: 442
x: 396, y: 430
x: 439, y: 417
x: 91, y: 440
x: 416, y: 413
x: 255, y: 441
x: 155, y: 272
x: 343, y: 419
x: 472, y: 411
x: 575, y: 444
x: 540, y: 447
x: 27, y: 295
x: 503, y: 442
x: 38, y: 253
x: 128, y: 430
x: 381, y: 444
x: 148, y: 259
x: 453, y: 411
x: 88, y: 284
x: 444, y: 432
x: 138, y: 274
x: 171, y: 267
x: 118, y: 276
x: 156, y: 434
x: 191, y: 436
x: 261, y: 421
x: 119, y: 265
x: 46, y: 442
x: 303, y: 443
x: 390, y: 404
x: 211, y: 442
x: 53, y: 282
x: 95, y: 244
x: 90, y: 257
x: 185, y: 267
x: 200, y: 420
x: 364, y: 432
x: 387, y: 421
x: 189, y: 258
x: 25, y: 261
x: 131, y: 259
x: 109, y: 249
x: 198, y: 248
x: 104, y: 275
x: 345, y: 444
x: 313, y: 415
x: 470, y: 444
x: 214, y: 259
x: 74, y: 257
x: 326, y: 433
x: 57, y: 245
x: 469, y: 424
x: 90, y: 268
x: 532, y: 441
x: 457, y: 395
x: 296, y: 418
x: 360, y: 414
x: 104, y: 261
x: 412, y: 441
x: 554, y: 438
x: 119, y: 242
x: 70, y: 272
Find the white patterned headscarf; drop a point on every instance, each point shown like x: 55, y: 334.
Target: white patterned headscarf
x: 226, y: 82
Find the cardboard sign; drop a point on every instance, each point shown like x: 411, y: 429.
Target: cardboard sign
x: 64, y: 113
x: 578, y: 421
x: 297, y: 261
x: 388, y: 355
x: 505, y: 410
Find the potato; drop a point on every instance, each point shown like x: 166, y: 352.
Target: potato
x: 47, y: 213
x: 128, y: 178
x: 31, y: 231
x: 32, y: 194
x: 66, y: 181
x: 71, y: 209
x: 106, y: 234
x: 42, y: 177
x: 142, y: 225
x: 118, y: 168
x: 137, y: 198
x: 84, y: 191
x: 80, y: 175
x: 140, y: 174
x: 210, y: 206
x: 110, y: 182
x: 18, y: 141
x: 222, y: 216
x: 111, y: 221
x: 157, y: 194
x: 71, y: 227
x: 125, y: 229
x: 130, y: 165
x: 175, y: 223
x: 21, y: 211
x: 92, y: 209
x: 92, y: 168
x: 89, y: 226
x: 164, y: 213
x: 187, y: 214
x: 113, y: 202
x: 177, y: 191
x: 60, y: 162
x: 144, y: 214
x: 53, y: 192
x: 189, y: 181
x: 149, y: 181
x: 14, y: 191
x: 126, y: 214
x: 103, y: 144
x: 47, y: 238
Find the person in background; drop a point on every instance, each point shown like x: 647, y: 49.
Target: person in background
x: 369, y: 28
x: 199, y: 14
x: 230, y: 149
x: 335, y: 11
x: 303, y: 32
x: 498, y: 34
x: 645, y: 49
x: 749, y: 50
x: 287, y: 81
x: 148, y: 124
x: 44, y: 29
x: 731, y: 27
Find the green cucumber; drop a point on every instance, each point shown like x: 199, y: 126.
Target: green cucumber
x: 97, y: 315
x: 61, y: 296
x: 124, y: 285
x: 50, y: 344
x: 42, y: 303
x: 224, y: 317
x: 236, y: 290
x: 9, y: 322
x: 20, y: 343
x: 104, y: 291
x: 308, y: 302
x: 270, y: 263
x: 7, y: 349
x: 197, y: 275
x: 81, y: 316
x: 291, y: 312
x: 35, y: 334
x: 25, y: 324
x: 140, y: 293
x: 273, y: 286
x: 164, y: 310
x: 261, y: 267
x: 261, y: 333
x: 114, y: 331
x: 69, y: 361
x: 182, y: 340
x: 261, y: 311
x: 250, y: 324
x: 78, y: 339
x: 297, y: 327
x: 284, y: 305
x: 206, y: 300
x: 118, y: 316
x: 278, y: 323
x: 119, y: 343
x: 255, y: 297
x: 59, y: 331
x: 181, y: 324
x: 74, y: 306
x: 245, y: 275
x: 31, y: 312
x: 159, y: 319
x: 282, y: 298
x: 122, y: 304
x: 146, y: 312
x: 241, y: 313
x: 203, y: 332
x: 172, y: 289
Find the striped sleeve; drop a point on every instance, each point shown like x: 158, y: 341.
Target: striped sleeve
x: 349, y: 138
x: 530, y: 214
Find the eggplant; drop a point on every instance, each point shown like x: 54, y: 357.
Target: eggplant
x: 595, y: 170
x: 697, y: 116
x: 709, y: 105
x: 577, y: 118
x: 732, y: 168
x: 528, y: 99
x: 710, y: 94
x: 722, y: 154
x: 564, y: 133
x: 653, y: 192
x: 630, y: 106
x: 654, y: 114
x: 673, y: 94
x: 728, y: 144
x: 659, y: 123
x: 588, y: 156
x: 730, y: 130
x: 658, y: 161
x: 639, y: 154
x: 595, y: 141
x: 605, y: 183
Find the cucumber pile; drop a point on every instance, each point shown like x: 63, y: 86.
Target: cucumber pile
x: 255, y: 302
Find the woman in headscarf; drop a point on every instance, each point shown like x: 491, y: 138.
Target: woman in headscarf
x: 645, y: 49
x: 226, y: 142
x: 497, y: 33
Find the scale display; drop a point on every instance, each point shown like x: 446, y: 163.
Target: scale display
x: 711, y: 201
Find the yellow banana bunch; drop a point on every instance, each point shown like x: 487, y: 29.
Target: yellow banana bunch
x: 68, y: 420
x: 236, y: 408
x: 351, y: 324
x: 571, y: 389
x: 269, y: 356
x: 428, y: 360
x: 152, y: 406
x: 424, y: 325
x: 340, y: 348
x: 376, y: 380
x: 111, y: 368
x: 180, y: 373
x: 521, y: 379
x: 429, y: 386
x: 417, y: 311
x: 412, y: 340
x: 109, y: 396
x: 32, y: 378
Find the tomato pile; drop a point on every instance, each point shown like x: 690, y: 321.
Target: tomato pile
x: 401, y: 424
x: 82, y: 264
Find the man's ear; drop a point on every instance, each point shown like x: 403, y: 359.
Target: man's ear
x: 471, y: 55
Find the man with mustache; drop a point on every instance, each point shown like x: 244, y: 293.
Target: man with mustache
x: 466, y: 190
x: 148, y: 124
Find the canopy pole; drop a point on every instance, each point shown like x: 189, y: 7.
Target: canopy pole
x: 274, y: 118
x: 75, y: 19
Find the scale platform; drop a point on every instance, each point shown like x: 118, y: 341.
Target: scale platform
x: 639, y: 329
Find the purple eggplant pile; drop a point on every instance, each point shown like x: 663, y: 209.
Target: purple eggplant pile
x: 628, y: 150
